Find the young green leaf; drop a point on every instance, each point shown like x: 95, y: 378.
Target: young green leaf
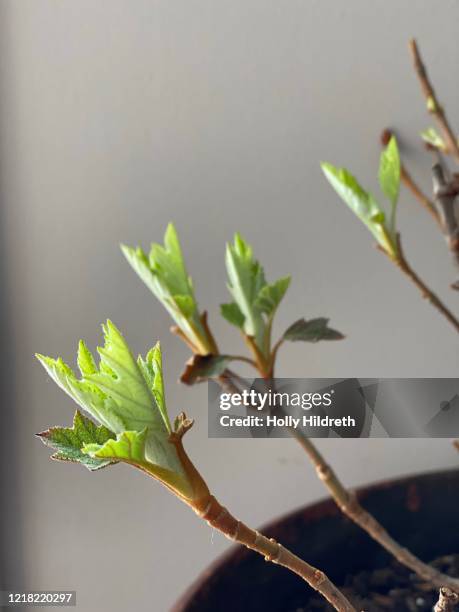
x: 362, y: 203
x: 246, y: 279
x: 123, y: 394
x: 232, y: 313
x: 389, y: 171
x: 270, y: 296
x: 69, y: 441
x: 433, y: 138
x: 311, y: 331
x: 164, y: 272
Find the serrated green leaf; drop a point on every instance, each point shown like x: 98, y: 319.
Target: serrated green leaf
x: 311, y: 331
x: 201, y: 368
x: 86, y: 363
x: 164, y: 272
x: 232, y: 313
x: 389, y: 178
x: 270, y: 296
x: 68, y: 441
x: 433, y: 138
x: 123, y: 394
x: 132, y: 447
x: 362, y: 203
x: 152, y: 370
x: 246, y: 278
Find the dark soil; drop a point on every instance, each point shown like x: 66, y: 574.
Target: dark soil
x: 392, y: 588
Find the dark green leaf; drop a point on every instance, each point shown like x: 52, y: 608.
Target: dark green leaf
x: 311, y: 331
x: 270, y: 296
x: 68, y: 441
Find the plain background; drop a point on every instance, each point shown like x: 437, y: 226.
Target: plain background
x: 118, y: 116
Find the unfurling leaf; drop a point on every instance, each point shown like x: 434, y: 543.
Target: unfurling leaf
x: 433, y: 138
x: 389, y: 175
x: 270, y: 296
x: 311, y: 331
x: 255, y: 301
x: 246, y: 278
x: 165, y: 274
x: 127, y: 397
x: 232, y: 313
x: 200, y: 368
x: 363, y: 204
x: 69, y: 441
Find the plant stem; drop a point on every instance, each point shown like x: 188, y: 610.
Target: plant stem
x: 433, y: 105
x: 447, y: 601
x: 348, y: 503
x: 217, y: 516
x: 427, y: 293
x: 446, y: 192
x: 350, y: 506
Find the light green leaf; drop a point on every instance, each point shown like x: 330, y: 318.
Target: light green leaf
x: 165, y: 274
x: 246, y: 278
x: 123, y: 394
x: 152, y: 370
x: 132, y: 447
x: 389, y: 171
x: 433, y: 138
x: 270, y: 296
x: 86, y: 362
x: 232, y: 313
x: 68, y: 441
x: 362, y: 203
x: 311, y: 331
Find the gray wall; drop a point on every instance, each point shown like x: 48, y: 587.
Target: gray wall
x: 118, y: 116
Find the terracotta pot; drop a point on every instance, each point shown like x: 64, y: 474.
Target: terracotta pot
x: 421, y: 512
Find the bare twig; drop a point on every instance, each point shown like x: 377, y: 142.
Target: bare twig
x: 433, y: 105
x: 446, y: 192
x: 410, y: 183
x: 350, y: 506
x: 426, y: 293
x: 447, y: 601
x: 348, y: 503
x: 218, y: 517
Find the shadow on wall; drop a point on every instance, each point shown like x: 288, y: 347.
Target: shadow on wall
x: 11, y: 565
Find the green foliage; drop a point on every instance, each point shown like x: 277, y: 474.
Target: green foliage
x: 363, y: 203
x: 165, y: 274
x: 69, y: 441
x: 255, y: 302
x: 232, y: 313
x: 433, y: 138
x: 270, y: 296
x: 311, y: 331
x: 125, y: 396
x: 389, y: 178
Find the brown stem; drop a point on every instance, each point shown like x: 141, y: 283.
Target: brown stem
x: 447, y: 601
x: 350, y: 506
x: 433, y: 105
x: 409, y: 183
x: 218, y: 517
x: 427, y: 293
x: 446, y: 192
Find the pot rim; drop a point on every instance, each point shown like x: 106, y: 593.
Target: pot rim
x: 324, y: 506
